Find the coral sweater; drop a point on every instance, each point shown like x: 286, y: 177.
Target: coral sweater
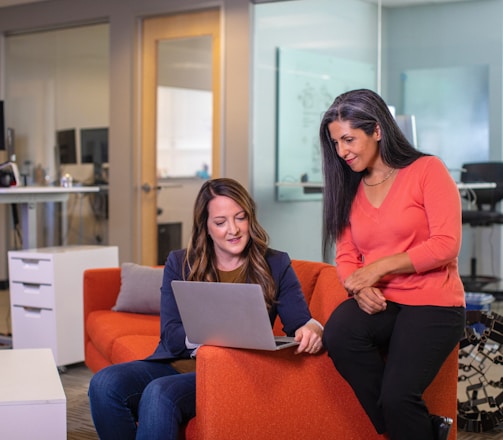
x: 421, y: 215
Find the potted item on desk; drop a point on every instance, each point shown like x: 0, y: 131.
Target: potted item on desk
x: 9, y: 174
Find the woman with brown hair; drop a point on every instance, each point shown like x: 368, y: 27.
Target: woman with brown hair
x: 149, y: 399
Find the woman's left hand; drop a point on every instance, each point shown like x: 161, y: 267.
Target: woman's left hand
x: 362, y: 277
x: 370, y: 274
x: 309, y: 338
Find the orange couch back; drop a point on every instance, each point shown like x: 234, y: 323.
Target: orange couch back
x: 317, y: 289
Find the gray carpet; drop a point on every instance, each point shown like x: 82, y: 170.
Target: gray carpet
x: 75, y: 382
x: 495, y: 434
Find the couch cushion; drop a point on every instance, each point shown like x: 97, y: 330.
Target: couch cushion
x: 133, y: 347
x: 105, y: 326
x: 140, y: 290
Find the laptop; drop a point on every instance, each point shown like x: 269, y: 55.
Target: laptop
x: 227, y: 315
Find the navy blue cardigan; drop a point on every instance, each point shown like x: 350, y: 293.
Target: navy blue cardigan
x: 290, y: 303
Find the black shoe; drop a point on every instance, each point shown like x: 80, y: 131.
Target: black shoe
x: 441, y: 426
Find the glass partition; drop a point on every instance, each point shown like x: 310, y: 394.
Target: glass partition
x: 307, y: 83
x: 308, y: 52
x: 57, y: 92
x: 184, y: 107
x: 305, y: 54
x: 439, y: 65
x: 56, y: 80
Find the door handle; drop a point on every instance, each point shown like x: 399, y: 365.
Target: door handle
x: 146, y: 188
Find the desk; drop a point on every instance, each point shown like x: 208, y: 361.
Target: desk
x: 312, y: 187
x: 475, y: 185
x: 28, y: 197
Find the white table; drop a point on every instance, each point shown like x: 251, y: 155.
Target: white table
x: 319, y: 185
x: 476, y: 185
x: 32, y: 399
x: 27, y: 198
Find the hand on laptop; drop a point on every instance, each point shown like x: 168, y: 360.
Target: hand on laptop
x: 309, y: 337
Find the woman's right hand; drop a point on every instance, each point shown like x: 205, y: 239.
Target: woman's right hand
x: 370, y: 300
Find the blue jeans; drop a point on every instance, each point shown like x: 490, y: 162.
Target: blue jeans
x: 390, y: 358
x: 141, y: 400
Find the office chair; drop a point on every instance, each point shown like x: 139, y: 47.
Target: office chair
x: 483, y: 213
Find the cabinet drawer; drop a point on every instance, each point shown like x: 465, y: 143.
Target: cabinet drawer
x: 31, y: 270
x: 33, y: 328
x: 32, y: 294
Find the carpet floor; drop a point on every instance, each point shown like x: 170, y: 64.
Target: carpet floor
x: 75, y: 382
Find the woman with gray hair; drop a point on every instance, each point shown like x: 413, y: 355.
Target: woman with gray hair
x: 394, y: 214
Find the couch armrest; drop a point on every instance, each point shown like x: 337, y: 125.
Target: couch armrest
x: 100, y: 290
x: 441, y: 395
x: 328, y: 294
x: 250, y: 394
x: 101, y: 287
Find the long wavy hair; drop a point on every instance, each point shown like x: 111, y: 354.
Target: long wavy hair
x: 364, y: 109
x: 200, y: 257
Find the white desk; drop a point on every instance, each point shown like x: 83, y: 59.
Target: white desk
x: 32, y: 399
x: 319, y: 185
x: 28, y: 197
x: 475, y: 185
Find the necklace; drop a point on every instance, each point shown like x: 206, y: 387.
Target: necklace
x: 386, y: 177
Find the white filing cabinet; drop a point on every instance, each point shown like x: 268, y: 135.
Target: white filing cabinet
x: 46, y: 297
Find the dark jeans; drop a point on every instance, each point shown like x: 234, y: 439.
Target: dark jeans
x: 148, y: 392
x: 390, y: 358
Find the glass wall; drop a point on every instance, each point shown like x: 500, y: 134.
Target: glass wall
x: 439, y: 63
x: 57, y: 105
x: 56, y: 80
x: 304, y: 54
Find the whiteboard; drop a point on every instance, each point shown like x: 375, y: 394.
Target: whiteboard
x: 307, y: 84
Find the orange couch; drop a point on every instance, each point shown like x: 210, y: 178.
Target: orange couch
x: 250, y: 394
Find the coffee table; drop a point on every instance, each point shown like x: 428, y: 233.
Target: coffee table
x: 32, y: 399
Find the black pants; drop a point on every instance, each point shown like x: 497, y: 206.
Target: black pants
x: 390, y: 358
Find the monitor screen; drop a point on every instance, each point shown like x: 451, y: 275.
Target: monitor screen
x: 407, y: 124
x: 94, y: 145
x: 66, y: 146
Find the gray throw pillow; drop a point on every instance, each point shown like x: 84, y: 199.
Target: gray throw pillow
x: 140, y: 289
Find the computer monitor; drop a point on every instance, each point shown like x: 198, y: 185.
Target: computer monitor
x: 66, y: 146
x: 3, y: 143
x: 94, y: 149
x: 407, y: 124
x: 94, y: 145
